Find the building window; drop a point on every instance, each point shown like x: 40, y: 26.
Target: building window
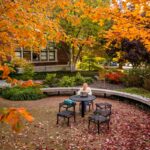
x: 18, y: 54
x: 51, y: 55
x: 44, y: 55
x: 27, y: 55
x: 48, y: 55
x: 35, y: 57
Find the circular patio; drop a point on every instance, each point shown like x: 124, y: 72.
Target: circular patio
x: 129, y: 128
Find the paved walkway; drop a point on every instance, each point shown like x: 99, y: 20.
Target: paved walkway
x: 4, y: 84
x: 101, y: 85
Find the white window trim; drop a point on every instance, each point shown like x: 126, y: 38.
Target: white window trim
x: 40, y: 61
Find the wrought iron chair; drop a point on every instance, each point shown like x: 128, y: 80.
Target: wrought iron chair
x: 66, y: 112
x: 103, y: 109
x: 101, y: 115
x: 98, y: 119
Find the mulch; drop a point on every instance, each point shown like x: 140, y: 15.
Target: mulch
x: 129, y: 128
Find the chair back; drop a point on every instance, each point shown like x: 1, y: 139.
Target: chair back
x: 103, y: 106
x: 65, y: 106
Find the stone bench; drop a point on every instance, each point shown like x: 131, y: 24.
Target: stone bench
x: 96, y: 92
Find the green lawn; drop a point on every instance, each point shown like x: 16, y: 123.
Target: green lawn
x: 138, y: 91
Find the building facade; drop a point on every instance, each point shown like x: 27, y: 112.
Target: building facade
x: 49, y: 59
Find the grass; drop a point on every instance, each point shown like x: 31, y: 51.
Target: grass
x: 138, y: 91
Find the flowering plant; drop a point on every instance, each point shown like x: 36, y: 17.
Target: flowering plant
x: 115, y: 77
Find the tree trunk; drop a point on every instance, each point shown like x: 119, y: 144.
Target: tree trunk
x: 72, y: 64
x: 74, y: 59
x: 120, y: 65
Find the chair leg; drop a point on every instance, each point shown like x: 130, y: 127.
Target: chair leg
x: 108, y: 124
x: 98, y: 127
x: 89, y: 107
x: 79, y: 107
x: 89, y: 123
x: 68, y: 122
x: 57, y: 119
x: 74, y: 118
x: 92, y: 105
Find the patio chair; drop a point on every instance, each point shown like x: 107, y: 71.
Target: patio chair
x: 66, y: 112
x: 103, y: 109
x: 101, y: 115
x: 98, y: 119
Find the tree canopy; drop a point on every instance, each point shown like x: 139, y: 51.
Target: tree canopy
x: 79, y: 23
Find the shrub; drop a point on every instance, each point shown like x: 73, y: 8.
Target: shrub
x: 67, y: 81
x: 28, y: 72
x: 78, y: 79
x: 135, y: 77
x: 89, y: 80
x: 40, y: 75
x: 90, y: 63
x: 19, y: 93
x: 146, y: 84
x: 1, y: 91
x: 115, y: 77
x: 133, y: 81
x: 60, y: 74
x: 51, y: 80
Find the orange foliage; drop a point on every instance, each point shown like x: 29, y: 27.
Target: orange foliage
x: 27, y: 83
x: 30, y: 24
x: 6, y: 71
x: 12, y: 116
x: 131, y: 22
x: 5, y: 75
x: 25, y: 24
x: 14, y: 82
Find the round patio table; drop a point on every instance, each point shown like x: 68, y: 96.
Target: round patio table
x: 82, y: 99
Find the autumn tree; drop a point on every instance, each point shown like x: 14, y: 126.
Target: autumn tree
x: 78, y: 26
x: 130, y: 21
x: 24, y: 24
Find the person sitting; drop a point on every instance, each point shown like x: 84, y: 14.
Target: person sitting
x: 85, y: 89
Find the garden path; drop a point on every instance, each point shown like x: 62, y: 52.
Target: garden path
x: 100, y: 84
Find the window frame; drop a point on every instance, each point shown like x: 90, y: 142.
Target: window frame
x: 48, y: 50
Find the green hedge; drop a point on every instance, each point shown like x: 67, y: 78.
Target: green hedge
x: 19, y: 94
x: 59, y: 74
x: 51, y: 80
x: 67, y: 81
x: 138, y: 77
x: 77, y: 79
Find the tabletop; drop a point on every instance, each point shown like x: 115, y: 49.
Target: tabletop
x: 81, y: 98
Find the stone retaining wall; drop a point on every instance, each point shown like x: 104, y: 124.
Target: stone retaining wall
x: 96, y: 92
